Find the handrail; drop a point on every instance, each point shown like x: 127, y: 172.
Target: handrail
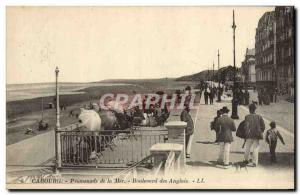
x: 83, y: 148
x: 117, y: 130
x: 132, y: 166
x: 170, y: 161
x: 158, y: 168
x: 70, y: 127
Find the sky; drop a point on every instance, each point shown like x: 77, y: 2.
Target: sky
x: 98, y: 43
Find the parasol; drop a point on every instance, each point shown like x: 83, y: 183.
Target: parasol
x: 90, y: 119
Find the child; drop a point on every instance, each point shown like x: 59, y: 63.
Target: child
x: 271, y: 138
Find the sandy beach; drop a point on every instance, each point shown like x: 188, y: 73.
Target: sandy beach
x: 23, y: 114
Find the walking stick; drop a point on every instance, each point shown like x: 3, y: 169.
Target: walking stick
x: 244, y: 143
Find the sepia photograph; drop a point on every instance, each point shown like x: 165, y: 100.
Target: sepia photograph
x: 150, y: 97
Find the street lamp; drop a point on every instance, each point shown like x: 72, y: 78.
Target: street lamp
x: 208, y: 75
x: 219, y: 87
x: 234, y: 114
x: 213, y: 78
x: 57, y: 127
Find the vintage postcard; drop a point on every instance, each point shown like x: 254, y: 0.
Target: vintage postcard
x: 150, y: 97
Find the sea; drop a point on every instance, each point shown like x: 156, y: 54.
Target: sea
x: 16, y: 92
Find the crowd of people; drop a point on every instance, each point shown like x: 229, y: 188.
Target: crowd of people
x: 251, y: 129
x: 210, y: 92
x: 267, y: 96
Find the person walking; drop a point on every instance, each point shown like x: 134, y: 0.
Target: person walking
x: 186, y: 117
x: 259, y: 97
x: 211, y: 97
x: 275, y: 95
x: 247, y: 97
x: 272, y: 136
x: 225, y: 125
x: 255, y: 127
x: 206, y: 96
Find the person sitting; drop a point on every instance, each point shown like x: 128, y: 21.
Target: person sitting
x: 165, y: 113
x: 158, y: 114
x: 151, y: 114
x: 29, y: 131
x: 43, y: 125
x: 138, y: 116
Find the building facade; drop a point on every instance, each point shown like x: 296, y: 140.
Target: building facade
x: 264, y: 51
x: 248, y: 68
x: 274, y: 50
x: 285, y: 61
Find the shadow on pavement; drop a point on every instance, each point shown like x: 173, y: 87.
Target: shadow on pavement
x: 237, y: 152
x: 204, y: 164
x: 200, y: 164
x: 206, y: 142
x: 284, y: 160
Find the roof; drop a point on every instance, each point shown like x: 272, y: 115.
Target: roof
x: 266, y: 21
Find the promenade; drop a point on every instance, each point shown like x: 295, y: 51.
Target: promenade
x: 200, y: 167
x: 204, y: 152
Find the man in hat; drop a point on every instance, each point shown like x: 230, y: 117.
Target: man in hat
x: 225, y: 125
x: 186, y: 117
x: 255, y: 125
x: 219, y: 113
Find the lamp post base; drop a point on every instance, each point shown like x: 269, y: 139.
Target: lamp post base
x: 219, y: 95
x: 234, y: 112
x: 234, y: 116
x: 56, y: 171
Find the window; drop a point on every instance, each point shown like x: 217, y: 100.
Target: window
x: 271, y: 56
x: 290, y: 51
x: 290, y: 32
x: 282, y: 21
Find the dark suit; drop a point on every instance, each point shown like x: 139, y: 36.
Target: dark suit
x: 256, y: 126
x: 206, y: 97
x: 225, y: 125
x: 186, y: 117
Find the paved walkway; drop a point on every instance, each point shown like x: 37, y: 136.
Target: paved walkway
x: 282, y: 111
x: 204, y: 151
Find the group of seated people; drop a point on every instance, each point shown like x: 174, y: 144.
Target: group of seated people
x: 118, y: 117
x: 153, y: 116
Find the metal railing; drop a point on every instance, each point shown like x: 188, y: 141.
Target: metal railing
x: 108, y: 147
